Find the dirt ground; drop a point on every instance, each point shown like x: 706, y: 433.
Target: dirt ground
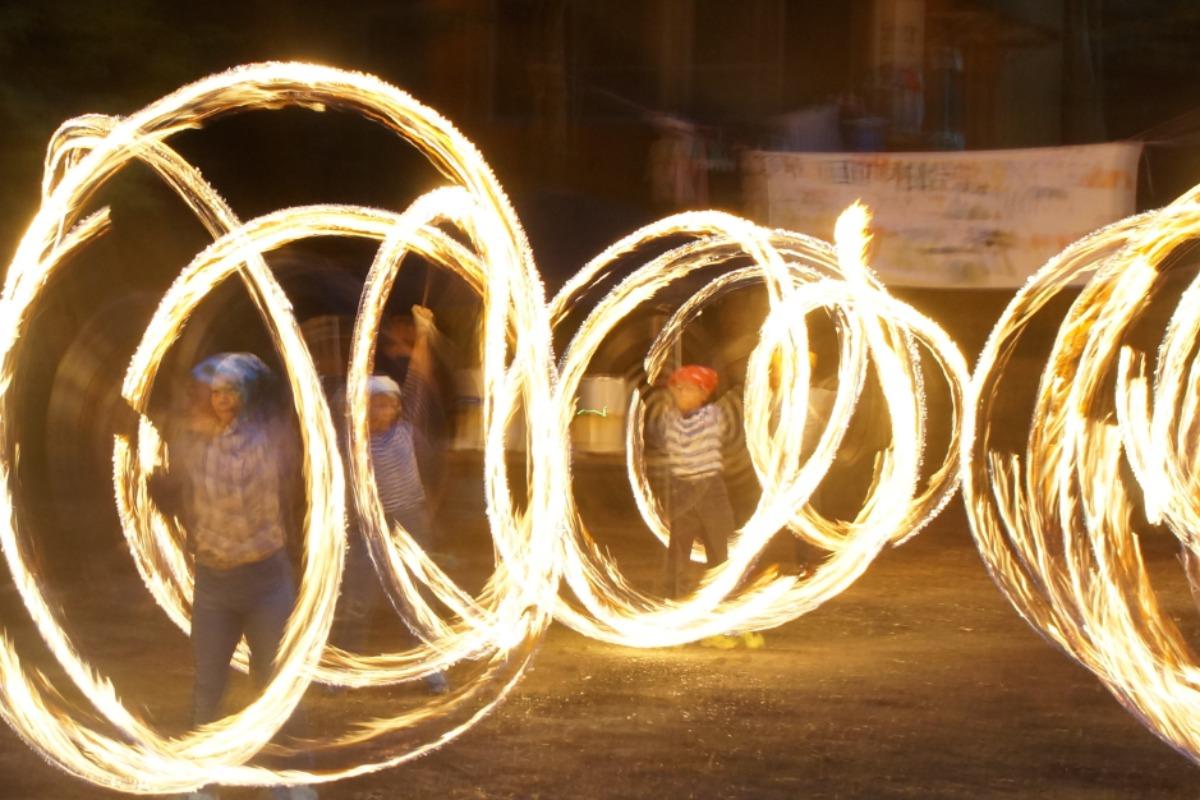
x: 920, y: 681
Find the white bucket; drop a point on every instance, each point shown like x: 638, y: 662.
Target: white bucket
x: 599, y: 423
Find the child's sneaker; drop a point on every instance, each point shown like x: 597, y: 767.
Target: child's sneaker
x: 753, y: 640
x: 722, y: 641
x: 436, y: 683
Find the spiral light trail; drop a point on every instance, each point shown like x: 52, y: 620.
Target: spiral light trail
x: 1055, y: 525
x: 801, y: 275
x: 498, y: 629
x: 468, y: 228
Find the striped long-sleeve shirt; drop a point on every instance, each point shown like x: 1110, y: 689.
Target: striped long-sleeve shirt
x: 394, y: 451
x: 694, y: 442
x: 396, y: 475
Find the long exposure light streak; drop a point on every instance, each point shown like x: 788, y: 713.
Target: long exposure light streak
x: 498, y: 629
x: 801, y: 275
x: 468, y: 228
x: 1056, y: 524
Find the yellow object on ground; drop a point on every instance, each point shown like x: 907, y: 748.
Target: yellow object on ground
x: 722, y: 641
x: 753, y: 640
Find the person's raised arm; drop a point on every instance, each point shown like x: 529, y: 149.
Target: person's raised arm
x: 422, y: 353
x: 418, y: 381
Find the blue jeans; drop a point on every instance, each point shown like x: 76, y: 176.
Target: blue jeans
x: 252, y: 600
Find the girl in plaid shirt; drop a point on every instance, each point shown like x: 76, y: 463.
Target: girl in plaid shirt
x: 238, y: 466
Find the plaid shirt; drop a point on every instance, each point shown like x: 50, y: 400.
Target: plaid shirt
x: 236, y: 482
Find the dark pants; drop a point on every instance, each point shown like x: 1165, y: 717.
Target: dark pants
x: 362, y: 592
x: 698, y: 507
x: 252, y: 600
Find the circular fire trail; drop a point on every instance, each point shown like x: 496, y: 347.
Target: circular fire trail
x: 497, y: 630
x: 1056, y: 523
x: 802, y: 275
x: 466, y: 227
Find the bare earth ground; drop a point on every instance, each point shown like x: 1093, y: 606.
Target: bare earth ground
x: 920, y: 681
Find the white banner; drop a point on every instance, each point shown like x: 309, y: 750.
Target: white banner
x: 963, y: 219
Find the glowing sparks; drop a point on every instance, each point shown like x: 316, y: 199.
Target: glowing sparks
x: 802, y: 275
x: 468, y: 228
x: 496, y: 630
x: 1055, y: 525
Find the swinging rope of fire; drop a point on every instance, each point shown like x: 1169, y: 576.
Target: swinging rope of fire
x: 468, y: 228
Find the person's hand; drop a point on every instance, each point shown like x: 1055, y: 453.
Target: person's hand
x: 423, y: 319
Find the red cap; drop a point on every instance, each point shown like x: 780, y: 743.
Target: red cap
x: 704, y: 377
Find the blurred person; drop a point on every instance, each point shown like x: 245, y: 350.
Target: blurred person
x: 398, y: 337
x: 237, y: 466
x: 390, y: 420
x: 694, y: 431
x: 678, y: 164
x: 842, y: 492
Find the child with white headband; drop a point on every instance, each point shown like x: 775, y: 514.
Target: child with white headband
x: 390, y: 416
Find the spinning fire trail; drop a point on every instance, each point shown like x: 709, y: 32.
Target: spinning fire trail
x: 466, y: 227
x: 1055, y: 525
x: 498, y: 629
x: 802, y: 275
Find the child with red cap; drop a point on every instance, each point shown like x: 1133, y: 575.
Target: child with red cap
x: 693, y: 431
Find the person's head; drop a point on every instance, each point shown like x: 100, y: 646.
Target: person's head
x: 233, y: 380
x: 397, y: 335
x: 691, y: 386
x: 225, y: 397
x: 383, y: 407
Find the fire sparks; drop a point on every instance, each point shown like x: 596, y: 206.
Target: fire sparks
x: 468, y: 228
x: 1055, y: 525
x: 801, y: 275
x: 497, y: 630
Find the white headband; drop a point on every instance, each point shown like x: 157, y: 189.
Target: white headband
x: 382, y: 384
